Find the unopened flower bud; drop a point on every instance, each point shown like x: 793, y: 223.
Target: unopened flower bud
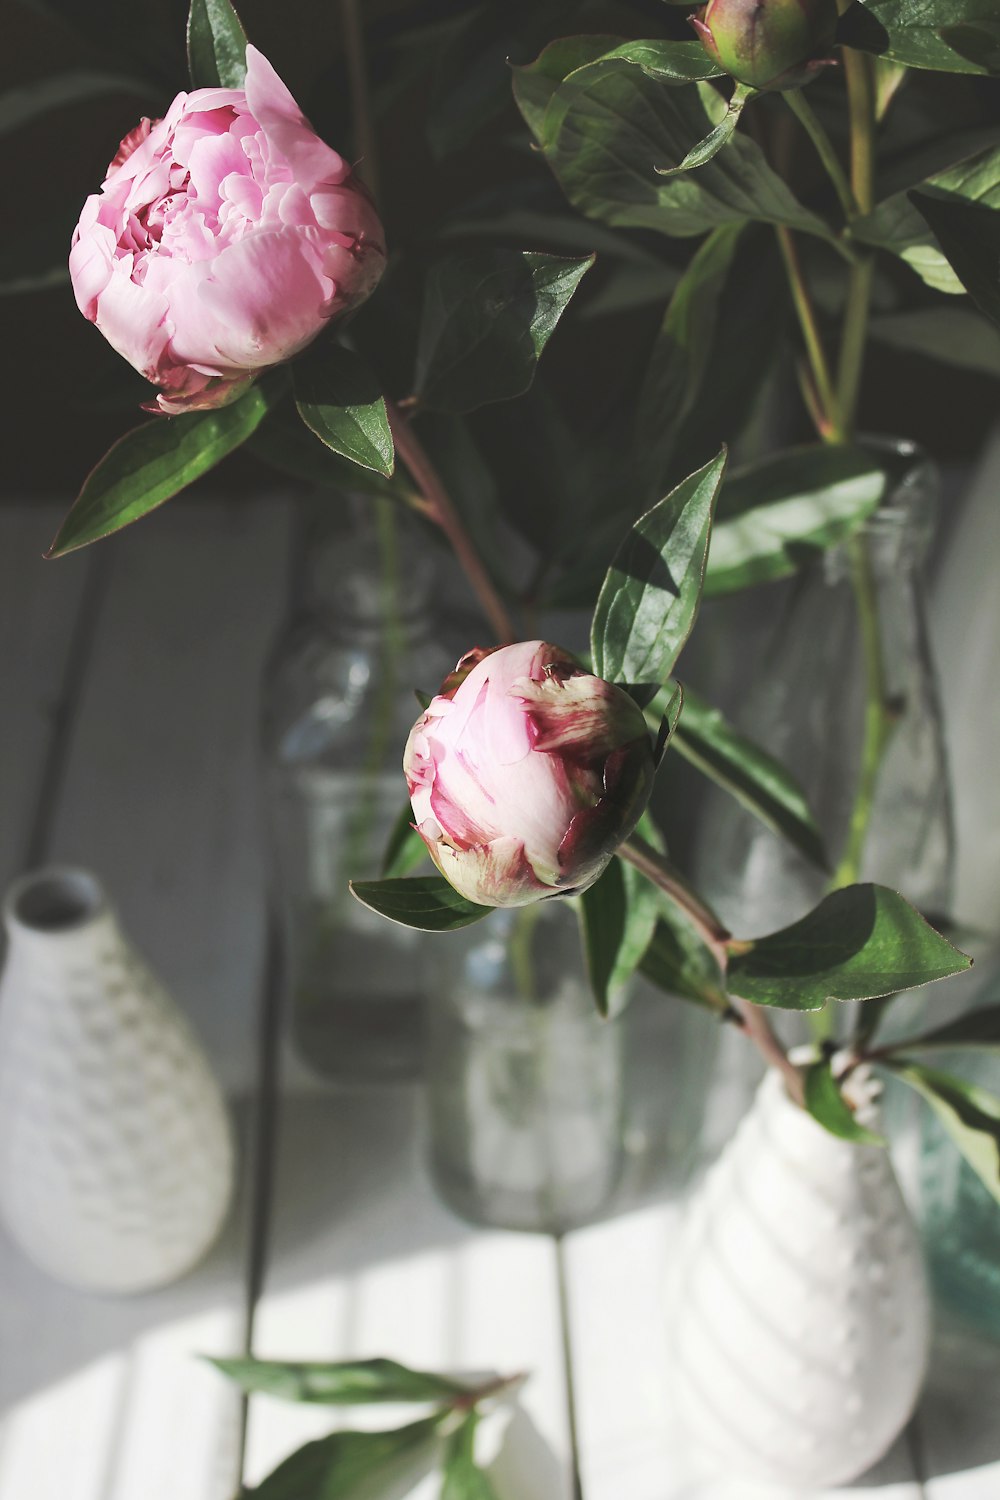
x: 767, y: 44
x: 526, y: 773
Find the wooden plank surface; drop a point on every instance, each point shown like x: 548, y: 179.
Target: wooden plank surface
x: 106, y: 1399
x: 364, y: 1261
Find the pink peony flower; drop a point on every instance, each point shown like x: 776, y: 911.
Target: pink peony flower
x: 526, y: 773
x: 224, y: 238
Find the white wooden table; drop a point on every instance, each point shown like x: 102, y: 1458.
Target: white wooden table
x: 128, y: 684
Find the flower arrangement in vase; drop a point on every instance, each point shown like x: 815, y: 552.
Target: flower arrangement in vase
x: 234, y: 259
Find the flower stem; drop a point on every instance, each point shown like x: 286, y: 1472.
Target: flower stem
x: 357, y: 82
x: 752, y: 1020
x: 438, y: 508
x: 877, y: 721
x: 825, y: 416
x: 804, y: 112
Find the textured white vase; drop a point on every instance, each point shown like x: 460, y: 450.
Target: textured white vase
x: 798, y: 1305
x: 116, y: 1151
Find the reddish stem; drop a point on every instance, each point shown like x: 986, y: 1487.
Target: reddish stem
x: 438, y: 507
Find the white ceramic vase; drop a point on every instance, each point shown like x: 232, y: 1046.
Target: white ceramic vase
x: 116, y: 1151
x: 799, y: 1312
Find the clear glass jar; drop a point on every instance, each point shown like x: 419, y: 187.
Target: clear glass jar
x: 805, y: 703
x: 525, y: 1081
x: 338, y: 705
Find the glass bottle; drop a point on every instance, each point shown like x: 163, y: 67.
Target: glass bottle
x: 338, y: 705
x: 525, y: 1081
x: 805, y: 703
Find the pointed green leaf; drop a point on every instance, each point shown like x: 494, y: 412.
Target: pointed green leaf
x: 487, y: 317
x: 155, y: 461
x: 897, y: 225
x: 404, y: 849
x: 953, y: 36
x: 780, y: 511
x: 669, y: 722
x: 341, y: 401
x: 346, y: 1383
x: 618, y: 915
x: 426, y: 902
x: 827, y: 1105
x: 975, y: 1029
x: 859, y: 943
x: 356, y: 1465
x: 463, y: 1478
x: 217, y: 45
x: 286, y: 444
x: 717, y: 136
x: 608, y: 126
x: 757, y: 781
x: 969, y: 235
x: 970, y: 1115
x: 678, y: 962
x: 649, y: 600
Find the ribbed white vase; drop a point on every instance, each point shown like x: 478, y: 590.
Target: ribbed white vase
x: 116, y: 1151
x: 798, y: 1305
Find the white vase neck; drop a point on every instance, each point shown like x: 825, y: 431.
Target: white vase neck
x: 59, y: 911
x: 796, y: 1130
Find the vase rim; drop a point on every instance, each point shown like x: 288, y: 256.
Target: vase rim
x: 53, y: 900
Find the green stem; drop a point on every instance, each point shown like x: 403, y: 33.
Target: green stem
x: 826, y: 418
x: 877, y: 721
x: 752, y: 1020
x: 804, y: 113
x: 877, y: 718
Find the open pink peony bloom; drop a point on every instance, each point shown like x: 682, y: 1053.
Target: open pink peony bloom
x: 224, y: 238
x: 526, y: 773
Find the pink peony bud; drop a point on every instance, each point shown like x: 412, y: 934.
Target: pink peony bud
x: 526, y: 773
x: 224, y: 238
x: 767, y: 44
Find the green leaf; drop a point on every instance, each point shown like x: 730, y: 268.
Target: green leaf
x: 535, y: 83
x: 951, y: 333
x: 404, y: 849
x: 463, y: 1478
x: 969, y: 1114
x: 155, y: 461
x: 759, y: 783
x: 618, y: 915
x: 356, y: 1465
x: 650, y: 597
x: 974, y: 1029
x: 858, y: 943
x: 341, y: 401
x: 18, y: 107
x: 953, y: 36
x: 717, y: 136
x: 898, y: 226
x: 426, y: 902
x: 669, y: 721
x: 216, y: 45
x: 969, y: 235
x: 608, y: 126
x: 668, y: 62
x: 780, y: 511
x: 346, y: 1383
x: 827, y: 1105
x: 678, y: 962
x: 487, y: 317
x: 285, y: 443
